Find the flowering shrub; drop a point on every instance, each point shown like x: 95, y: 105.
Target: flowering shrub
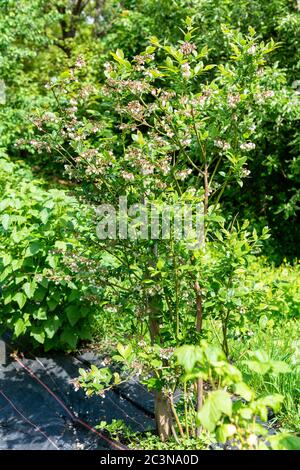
x: 161, y: 116
x: 171, y: 125
x: 169, y: 128
x: 270, y: 196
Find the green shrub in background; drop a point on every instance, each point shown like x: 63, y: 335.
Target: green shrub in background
x: 130, y: 22
x: 39, y: 298
x: 242, y: 291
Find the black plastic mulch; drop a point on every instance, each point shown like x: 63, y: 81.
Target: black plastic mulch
x: 50, y: 426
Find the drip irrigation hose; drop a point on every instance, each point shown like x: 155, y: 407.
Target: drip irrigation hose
x: 37, y: 428
x: 75, y: 419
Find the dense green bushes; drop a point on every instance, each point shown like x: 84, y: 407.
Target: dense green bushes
x: 39, y: 298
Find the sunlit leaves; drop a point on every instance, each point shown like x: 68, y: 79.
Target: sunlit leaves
x: 216, y: 404
x: 187, y: 356
x: 32, y: 303
x: 261, y: 363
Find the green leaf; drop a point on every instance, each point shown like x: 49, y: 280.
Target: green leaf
x: 6, y: 259
x: 280, y: 367
x: 61, y: 245
x: 40, y: 314
x: 251, y: 31
x: 261, y: 410
x: 52, y: 261
x: 209, y: 67
x: 82, y: 372
x: 262, y: 364
x: 244, y: 391
x: 21, y: 299
x: 225, y: 431
x: 44, y: 282
x: 187, y: 356
x: 75, y: 295
x: 5, y: 221
x: 263, y: 321
x: 5, y: 273
x: 120, y: 53
x: 19, y: 278
x: 16, y: 264
x: 154, y: 40
x: 208, y: 416
x: 119, y: 57
x: 38, y: 334
x: 284, y: 441
x: 20, y: 327
x: 246, y: 413
x: 85, y: 332
x: 258, y: 367
x: 188, y: 21
x: 39, y: 294
x: 33, y: 249
x: 44, y: 215
x: 117, y: 378
x: 69, y: 337
x: 260, y: 356
x: 160, y: 264
x: 222, y: 401
x: 124, y: 351
x: 214, y: 354
x: 51, y: 326
x: 73, y: 313
x: 29, y: 289
x: 216, y: 403
x: 138, y: 138
x: 273, y: 401
x: 52, y: 303
x: 4, y: 204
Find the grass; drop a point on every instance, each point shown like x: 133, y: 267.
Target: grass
x: 282, y: 343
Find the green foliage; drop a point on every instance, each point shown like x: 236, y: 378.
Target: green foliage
x: 185, y: 137
x: 39, y: 297
x: 39, y: 39
x: 217, y: 402
x: 270, y: 195
x: 180, y: 132
x: 117, y: 429
x: 197, y: 104
x: 231, y: 413
x: 262, y: 364
x: 224, y: 418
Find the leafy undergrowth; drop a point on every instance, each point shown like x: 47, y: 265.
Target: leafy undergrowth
x: 39, y: 298
x: 281, y: 343
x: 279, y: 339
